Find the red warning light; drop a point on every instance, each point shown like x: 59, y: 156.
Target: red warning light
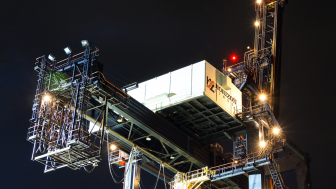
x: 233, y: 58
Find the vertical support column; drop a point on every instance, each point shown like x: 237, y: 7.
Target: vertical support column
x: 103, y: 124
x: 256, y: 37
x: 132, y: 172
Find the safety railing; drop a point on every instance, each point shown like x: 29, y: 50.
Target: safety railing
x: 251, y: 160
x: 118, y: 156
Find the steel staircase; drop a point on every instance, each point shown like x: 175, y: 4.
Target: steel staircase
x: 275, y: 174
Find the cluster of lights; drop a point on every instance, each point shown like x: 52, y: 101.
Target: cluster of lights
x: 68, y: 51
x: 276, y: 131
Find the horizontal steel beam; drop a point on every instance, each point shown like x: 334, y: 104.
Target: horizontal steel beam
x: 145, y: 152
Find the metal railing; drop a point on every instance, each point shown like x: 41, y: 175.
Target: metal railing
x: 251, y: 160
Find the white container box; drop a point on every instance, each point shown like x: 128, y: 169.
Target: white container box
x: 197, y: 80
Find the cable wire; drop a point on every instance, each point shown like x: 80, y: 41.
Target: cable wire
x: 164, y: 177
x: 88, y: 170
x: 157, y: 179
x: 108, y: 153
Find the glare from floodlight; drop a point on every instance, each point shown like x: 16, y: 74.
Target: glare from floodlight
x: 113, y: 147
x: 258, y: 1
x: 51, y: 57
x: 248, y: 47
x: 67, y: 50
x: 256, y: 23
x: 148, y: 138
x: 85, y: 43
x: 172, y: 157
x: 46, y: 98
x: 262, y: 144
x: 262, y: 97
x: 229, y: 70
x: 235, y: 161
x: 276, y: 131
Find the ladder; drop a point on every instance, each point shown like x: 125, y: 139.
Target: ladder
x: 275, y: 174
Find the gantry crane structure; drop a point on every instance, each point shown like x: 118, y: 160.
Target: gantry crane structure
x: 76, y: 110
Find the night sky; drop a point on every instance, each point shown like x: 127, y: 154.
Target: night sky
x: 139, y: 40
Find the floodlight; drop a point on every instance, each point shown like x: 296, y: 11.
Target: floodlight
x: 229, y: 69
x: 235, y: 161
x: 84, y: 43
x: 120, y: 119
x: 258, y: 1
x: 46, y: 97
x: 262, y: 144
x: 113, y: 147
x: 148, y: 138
x: 256, y: 23
x: 248, y: 47
x: 172, y: 157
x: 51, y: 57
x: 262, y: 97
x: 67, y: 50
x: 276, y: 131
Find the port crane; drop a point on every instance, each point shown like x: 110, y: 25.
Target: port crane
x: 76, y: 110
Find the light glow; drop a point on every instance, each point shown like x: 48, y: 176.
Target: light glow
x: 84, y: 43
x: 229, y: 70
x: 258, y: 1
x: 46, y: 98
x: 262, y: 144
x: 262, y: 97
x: 148, y: 138
x: 113, y: 147
x: 276, y: 131
x: 256, y: 23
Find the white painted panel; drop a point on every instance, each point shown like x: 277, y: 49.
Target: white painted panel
x: 221, y: 90
x: 139, y: 93
x: 255, y: 181
x: 180, y: 85
x: 94, y: 128
x: 198, y: 78
x: 151, y: 86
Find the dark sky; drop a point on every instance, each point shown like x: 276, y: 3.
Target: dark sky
x: 139, y: 40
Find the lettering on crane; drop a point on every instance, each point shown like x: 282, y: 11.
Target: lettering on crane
x: 211, y: 85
